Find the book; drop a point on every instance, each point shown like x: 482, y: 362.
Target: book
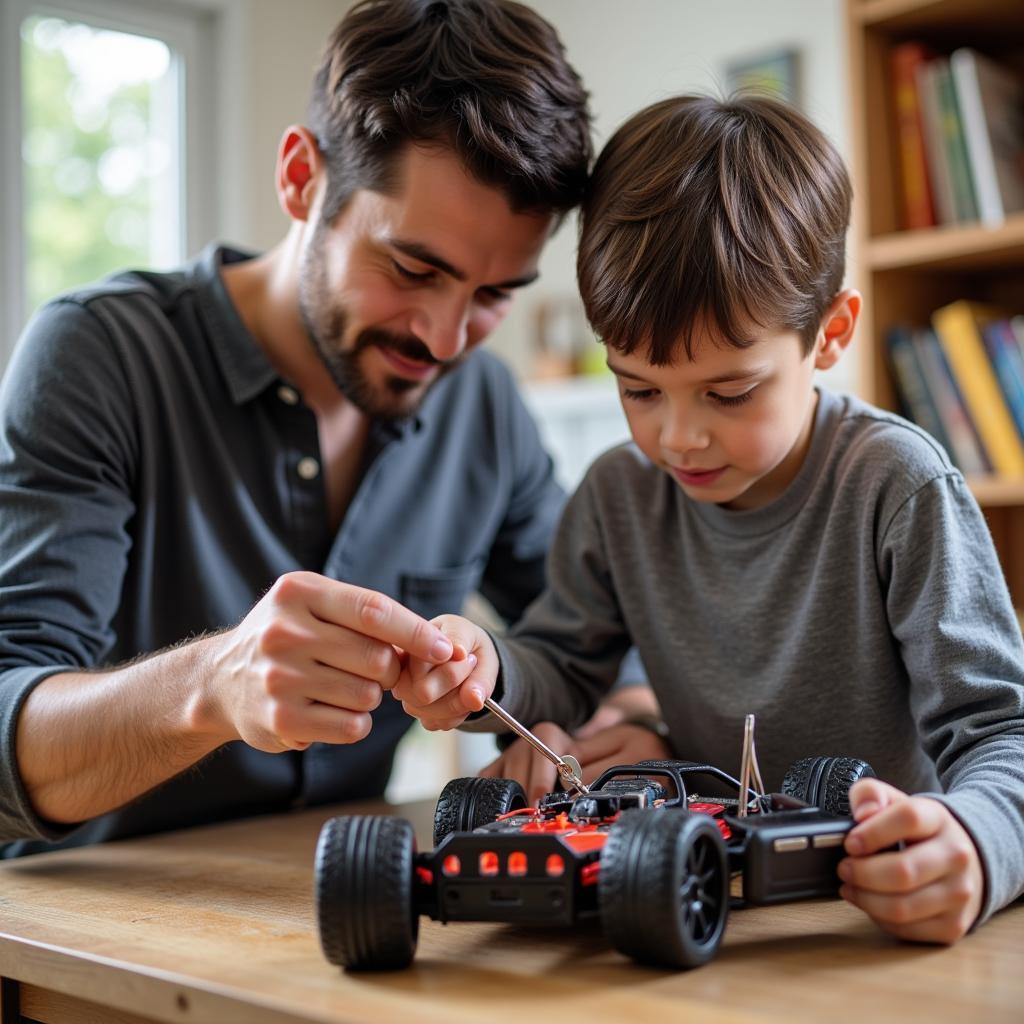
x: 991, y: 104
x: 965, y: 447
x: 958, y: 327
x: 913, y: 390
x: 954, y: 145
x: 1008, y: 364
x: 934, y: 141
x: 918, y: 207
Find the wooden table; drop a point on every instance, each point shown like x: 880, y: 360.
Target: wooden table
x: 216, y: 924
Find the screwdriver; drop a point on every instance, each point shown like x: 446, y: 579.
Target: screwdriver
x: 568, y: 767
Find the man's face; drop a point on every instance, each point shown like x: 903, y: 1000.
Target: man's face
x: 400, y: 287
x: 731, y: 427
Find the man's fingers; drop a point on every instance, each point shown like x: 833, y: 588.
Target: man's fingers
x: 899, y: 872
x: 296, y: 725
x: 908, y: 820
x: 368, y: 613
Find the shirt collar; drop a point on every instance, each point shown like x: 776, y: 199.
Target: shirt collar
x: 245, y: 366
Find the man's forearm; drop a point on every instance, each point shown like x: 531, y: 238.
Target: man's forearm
x: 88, y: 742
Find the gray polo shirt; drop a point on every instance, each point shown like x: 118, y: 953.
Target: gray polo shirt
x: 156, y: 477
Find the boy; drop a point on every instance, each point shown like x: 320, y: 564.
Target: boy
x: 768, y: 546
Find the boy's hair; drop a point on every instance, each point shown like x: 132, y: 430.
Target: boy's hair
x: 486, y: 78
x: 704, y: 213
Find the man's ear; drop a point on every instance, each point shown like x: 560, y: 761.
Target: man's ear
x: 300, y: 166
x: 837, y: 327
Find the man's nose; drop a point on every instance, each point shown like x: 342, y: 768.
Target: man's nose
x: 444, y: 328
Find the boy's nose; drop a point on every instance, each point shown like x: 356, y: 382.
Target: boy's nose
x: 681, y: 434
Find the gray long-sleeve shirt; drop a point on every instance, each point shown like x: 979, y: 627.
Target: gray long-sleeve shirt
x: 861, y: 613
x: 156, y: 477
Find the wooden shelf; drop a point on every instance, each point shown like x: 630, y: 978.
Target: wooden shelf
x: 915, y: 15
x: 955, y: 246
x: 906, y: 275
x: 996, y: 491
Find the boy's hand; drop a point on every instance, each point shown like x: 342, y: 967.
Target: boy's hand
x: 617, y: 744
x: 930, y: 891
x: 441, y: 696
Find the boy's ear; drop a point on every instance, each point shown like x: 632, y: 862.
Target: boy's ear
x: 300, y: 166
x: 837, y: 327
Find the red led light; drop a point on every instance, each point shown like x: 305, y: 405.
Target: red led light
x: 555, y: 865
x: 451, y: 865
x: 517, y: 864
x: 488, y: 863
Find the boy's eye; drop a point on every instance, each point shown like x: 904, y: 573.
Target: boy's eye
x: 411, y: 275
x: 731, y: 400
x: 495, y: 294
x: 639, y: 395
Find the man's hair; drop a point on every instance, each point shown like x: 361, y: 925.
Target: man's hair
x: 721, y: 215
x: 486, y: 78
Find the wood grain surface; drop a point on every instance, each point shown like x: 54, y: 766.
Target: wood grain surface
x: 216, y: 924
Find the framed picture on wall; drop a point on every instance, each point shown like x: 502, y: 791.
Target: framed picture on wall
x: 776, y: 73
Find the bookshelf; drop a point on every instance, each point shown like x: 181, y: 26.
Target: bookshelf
x: 905, y: 275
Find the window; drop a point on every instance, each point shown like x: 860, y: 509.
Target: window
x: 97, y: 145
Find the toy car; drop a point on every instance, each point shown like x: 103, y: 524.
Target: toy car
x: 653, y: 860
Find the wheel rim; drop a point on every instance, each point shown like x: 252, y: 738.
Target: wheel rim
x: 700, y: 891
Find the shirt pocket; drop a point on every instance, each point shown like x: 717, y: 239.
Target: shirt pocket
x: 435, y: 591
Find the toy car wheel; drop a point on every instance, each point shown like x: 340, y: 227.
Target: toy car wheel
x: 825, y: 781
x: 663, y: 888
x: 466, y: 804
x: 364, y: 905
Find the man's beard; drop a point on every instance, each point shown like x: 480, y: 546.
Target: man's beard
x: 398, y: 397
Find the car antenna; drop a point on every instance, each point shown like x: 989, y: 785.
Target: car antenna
x: 748, y: 767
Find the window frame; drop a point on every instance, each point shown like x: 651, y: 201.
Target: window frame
x: 190, y: 31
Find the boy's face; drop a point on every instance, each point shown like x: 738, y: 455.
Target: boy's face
x: 731, y: 427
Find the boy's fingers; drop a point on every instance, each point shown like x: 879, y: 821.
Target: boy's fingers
x: 931, y: 901
x: 868, y: 796
x: 909, y: 820
x: 599, y: 747
x: 902, y: 872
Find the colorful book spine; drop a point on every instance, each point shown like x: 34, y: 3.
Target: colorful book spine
x: 964, y: 444
x: 955, y: 145
x: 991, y: 101
x: 912, y: 387
x: 918, y: 207
x: 958, y: 327
x: 1008, y: 363
x: 935, y: 141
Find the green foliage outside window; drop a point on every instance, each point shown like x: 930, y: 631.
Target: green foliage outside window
x: 94, y: 166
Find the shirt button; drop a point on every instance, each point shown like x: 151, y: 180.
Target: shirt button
x: 308, y: 468
x: 288, y: 395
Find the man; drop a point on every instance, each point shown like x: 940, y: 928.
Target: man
x: 308, y: 425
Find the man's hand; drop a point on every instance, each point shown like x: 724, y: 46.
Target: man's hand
x: 309, y: 663
x: 930, y: 891
x: 441, y: 696
x: 618, y: 744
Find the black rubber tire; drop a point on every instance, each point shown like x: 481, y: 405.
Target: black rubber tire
x: 663, y: 888
x: 466, y: 804
x: 825, y: 781
x: 364, y: 879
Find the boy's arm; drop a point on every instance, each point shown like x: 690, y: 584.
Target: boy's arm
x: 949, y: 609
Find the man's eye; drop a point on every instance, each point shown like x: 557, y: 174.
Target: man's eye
x: 411, y: 275
x: 641, y: 395
x: 495, y: 294
x: 731, y: 400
